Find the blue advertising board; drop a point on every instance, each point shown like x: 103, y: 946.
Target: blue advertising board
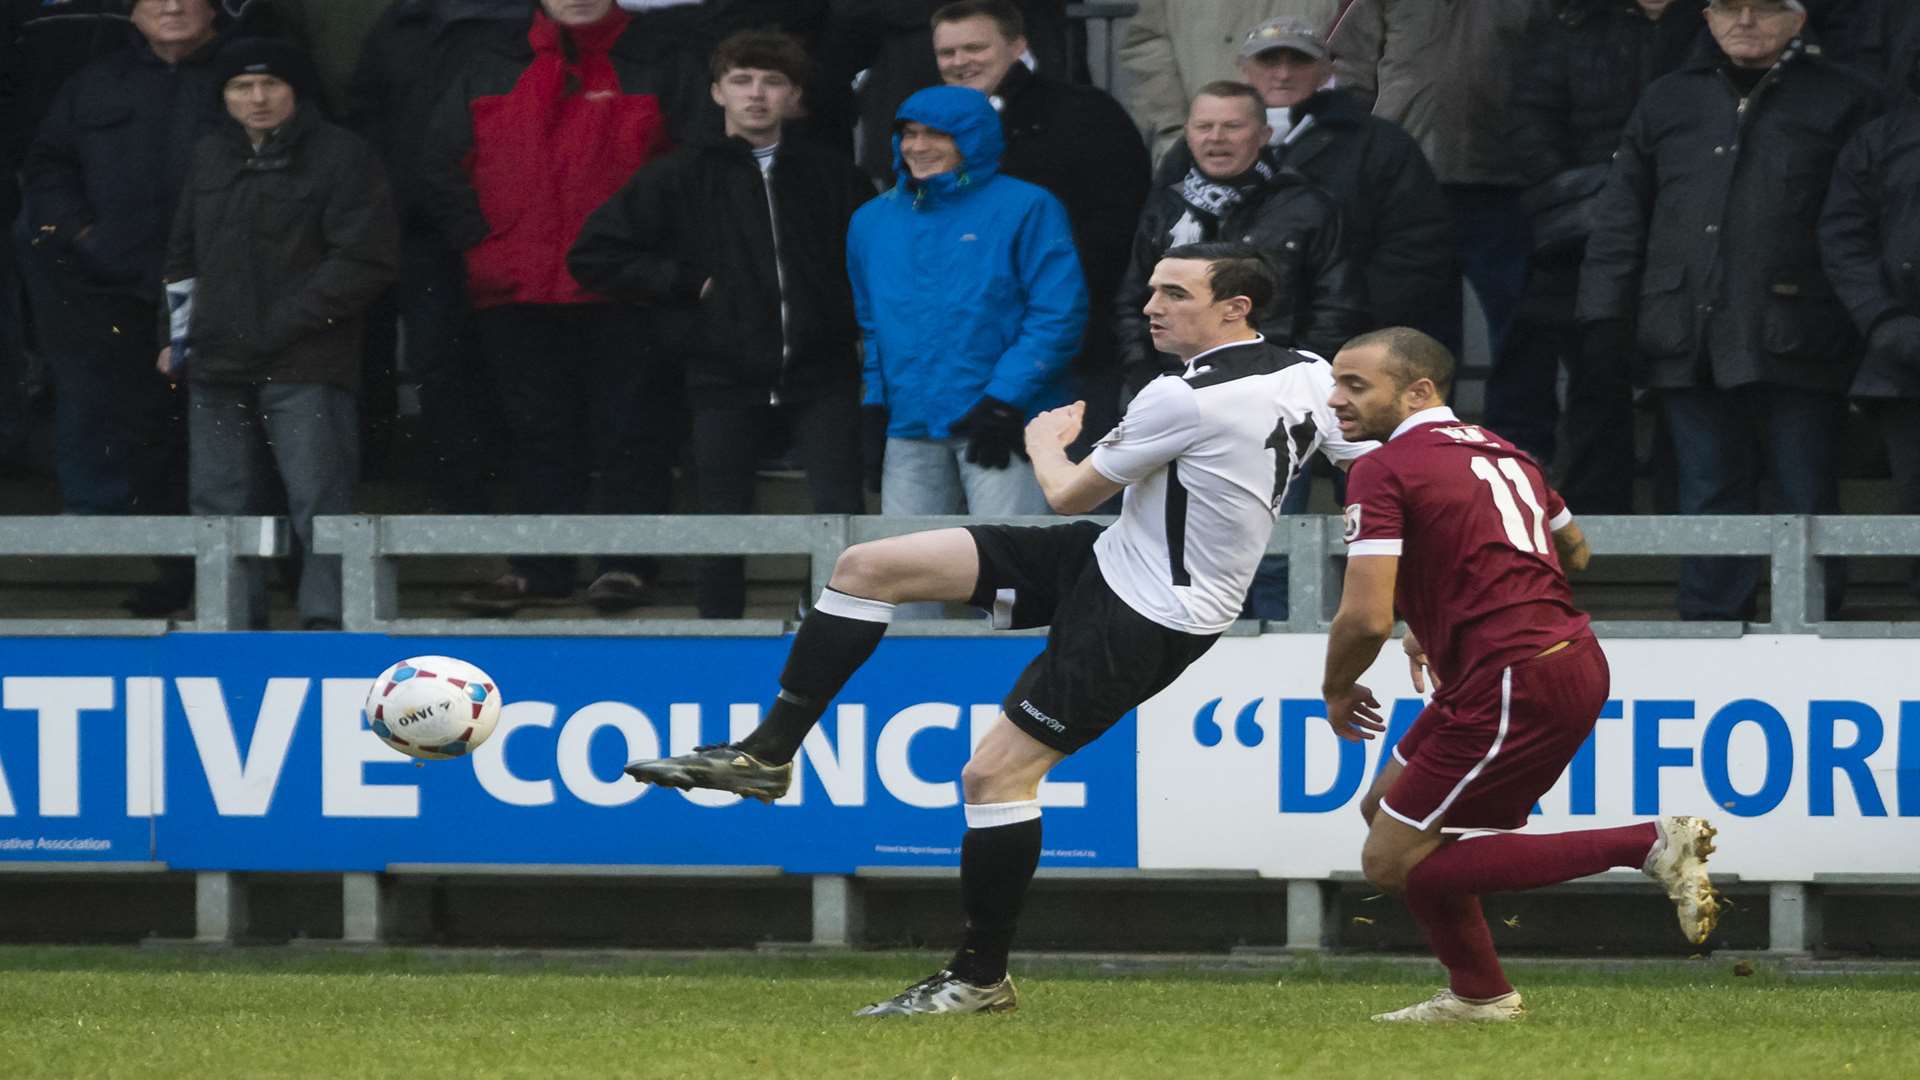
x: 250, y: 752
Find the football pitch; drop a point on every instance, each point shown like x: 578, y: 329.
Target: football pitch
x: 286, y: 1012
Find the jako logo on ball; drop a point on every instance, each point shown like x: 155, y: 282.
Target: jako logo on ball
x: 433, y: 707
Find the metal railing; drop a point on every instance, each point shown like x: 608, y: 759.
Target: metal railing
x: 371, y: 548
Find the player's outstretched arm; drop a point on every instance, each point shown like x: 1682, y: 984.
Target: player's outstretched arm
x: 1069, y: 488
x: 1363, y: 625
x: 1572, y: 545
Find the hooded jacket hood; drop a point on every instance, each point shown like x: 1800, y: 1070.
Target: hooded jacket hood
x: 966, y: 115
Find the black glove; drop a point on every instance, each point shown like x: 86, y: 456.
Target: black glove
x: 1898, y: 338
x: 995, y: 432
x: 873, y: 444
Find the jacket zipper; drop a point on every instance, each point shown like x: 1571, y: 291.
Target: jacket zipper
x: 779, y: 277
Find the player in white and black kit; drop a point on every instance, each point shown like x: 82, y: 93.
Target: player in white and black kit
x: 1204, y: 458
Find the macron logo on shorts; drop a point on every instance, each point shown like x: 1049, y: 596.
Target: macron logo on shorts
x: 1027, y: 707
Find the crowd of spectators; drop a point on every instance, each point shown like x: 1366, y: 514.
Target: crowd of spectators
x: 590, y: 244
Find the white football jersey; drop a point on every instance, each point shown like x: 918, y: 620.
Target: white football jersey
x: 1206, y: 457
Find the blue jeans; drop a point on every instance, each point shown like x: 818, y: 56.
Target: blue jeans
x: 926, y: 477
x: 1730, y: 446
x: 242, y: 438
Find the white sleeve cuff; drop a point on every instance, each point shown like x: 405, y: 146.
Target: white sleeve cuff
x: 1374, y: 547
x: 1561, y: 520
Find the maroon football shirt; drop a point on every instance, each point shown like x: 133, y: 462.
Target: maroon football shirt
x: 1472, y: 519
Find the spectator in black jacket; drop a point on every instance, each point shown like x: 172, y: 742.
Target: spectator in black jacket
x: 1705, y: 255
x: 285, y: 234
x: 410, y: 57
x: 102, y: 178
x: 1079, y: 144
x: 42, y: 42
x: 1588, y: 66
x: 740, y: 242
x: 1234, y: 192
x: 1870, y: 241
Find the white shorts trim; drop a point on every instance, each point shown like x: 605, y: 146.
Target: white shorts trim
x: 994, y: 815
x: 1561, y: 520
x: 1499, y: 737
x: 1003, y: 609
x: 1398, y: 756
x: 1374, y: 547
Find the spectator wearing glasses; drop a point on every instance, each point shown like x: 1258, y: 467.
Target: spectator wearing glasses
x: 1705, y: 261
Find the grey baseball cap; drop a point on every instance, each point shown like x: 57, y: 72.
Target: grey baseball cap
x: 1285, y: 32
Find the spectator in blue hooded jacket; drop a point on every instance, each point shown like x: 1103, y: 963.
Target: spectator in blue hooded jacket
x: 970, y: 296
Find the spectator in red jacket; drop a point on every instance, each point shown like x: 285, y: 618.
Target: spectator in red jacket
x: 535, y: 134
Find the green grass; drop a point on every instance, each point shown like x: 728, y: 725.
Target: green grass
x: 292, y: 1012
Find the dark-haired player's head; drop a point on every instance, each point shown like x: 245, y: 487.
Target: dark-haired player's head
x: 976, y: 42
x: 1208, y: 295
x: 1383, y: 377
x: 757, y: 80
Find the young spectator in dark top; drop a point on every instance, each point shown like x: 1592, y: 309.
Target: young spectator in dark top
x: 1587, y: 67
x: 739, y: 242
x: 538, y: 131
x: 1870, y: 242
x: 1235, y: 193
x: 1705, y: 255
x: 1079, y: 144
x: 284, y: 235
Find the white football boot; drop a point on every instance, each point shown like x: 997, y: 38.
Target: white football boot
x: 1678, y: 862
x: 1447, y: 1008
x: 945, y: 992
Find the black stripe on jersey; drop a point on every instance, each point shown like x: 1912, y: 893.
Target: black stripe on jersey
x: 1177, y: 525
x: 1241, y: 361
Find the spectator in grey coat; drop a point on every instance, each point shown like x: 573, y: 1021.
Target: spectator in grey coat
x: 285, y: 234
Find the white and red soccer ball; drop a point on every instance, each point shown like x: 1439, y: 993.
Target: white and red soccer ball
x: 433, y: 707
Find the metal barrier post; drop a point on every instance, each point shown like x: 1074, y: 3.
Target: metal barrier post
x: 1310, y: 922
x: 219, y: 589
x: 1799, y: 585
x: 362, y: 915
x: 367, y: 582
x: 1307, y: 571
x: 839, y: 911
x: 1793, y: 917
x: 219, y: 907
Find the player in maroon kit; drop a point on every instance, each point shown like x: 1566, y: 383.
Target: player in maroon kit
x: 1458, y: 529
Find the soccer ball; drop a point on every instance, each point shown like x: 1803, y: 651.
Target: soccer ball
x: 433, y: 707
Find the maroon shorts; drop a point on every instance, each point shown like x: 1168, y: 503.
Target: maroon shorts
x: 1482, y: 753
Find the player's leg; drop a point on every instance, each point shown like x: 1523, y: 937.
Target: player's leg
x: 1001, y: 849
x: 836, y: 638
x: 1456, y: 928
x: 1539, y: 699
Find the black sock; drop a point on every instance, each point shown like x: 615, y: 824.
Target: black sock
x: 836, y: 637
x: 996, y: 866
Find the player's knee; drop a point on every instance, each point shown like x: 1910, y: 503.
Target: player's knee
x: 1383, y: 871
x: 980, y: 783
x: 862, y: 570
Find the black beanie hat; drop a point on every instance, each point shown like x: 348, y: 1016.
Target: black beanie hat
x: 267, y: 56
